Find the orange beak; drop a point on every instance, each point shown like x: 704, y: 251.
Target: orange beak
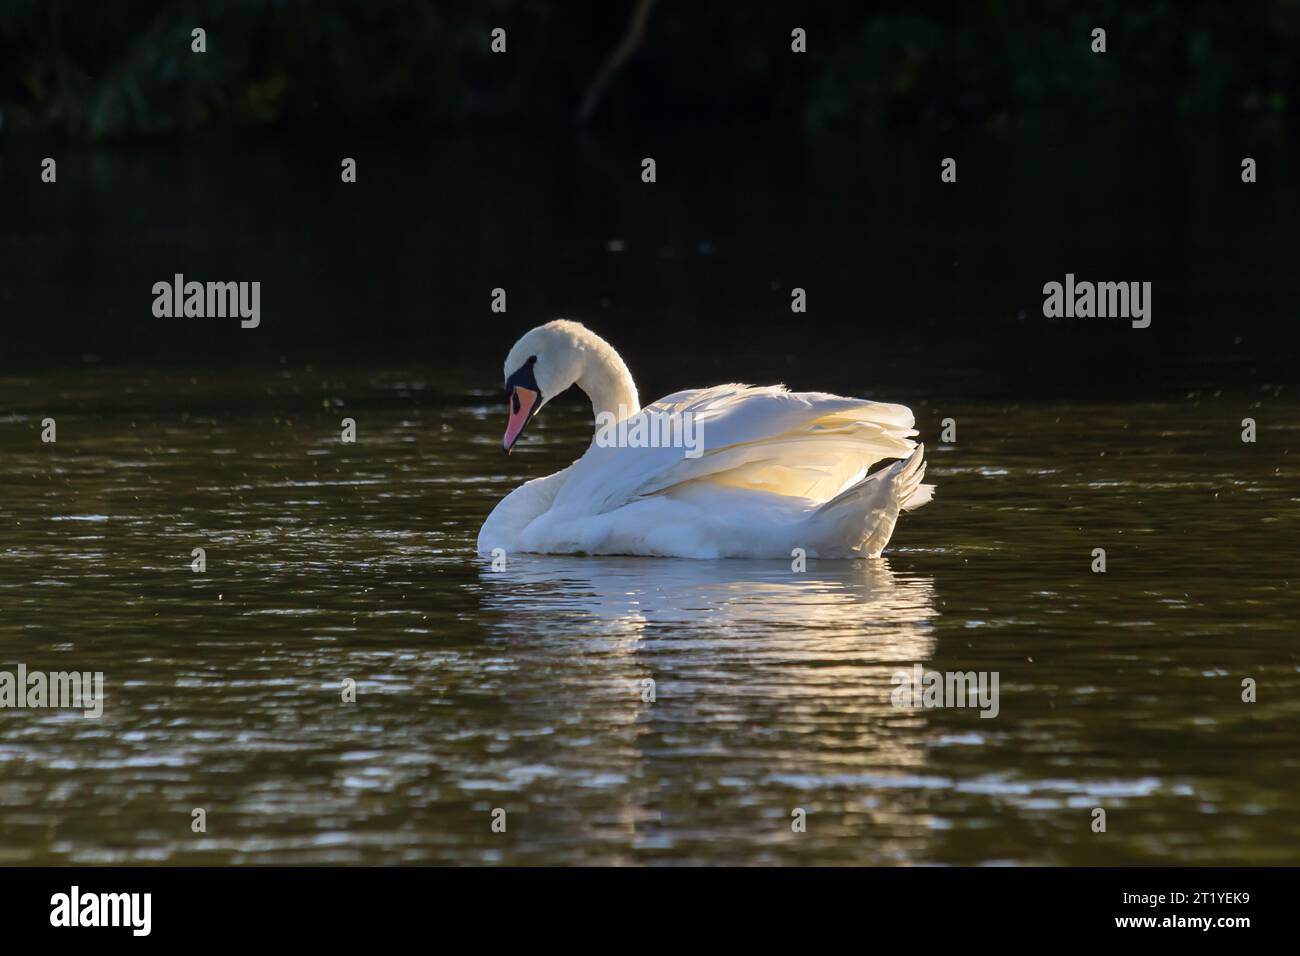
x: 523, y: 402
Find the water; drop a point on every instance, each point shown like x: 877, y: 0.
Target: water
x: 523, y: 689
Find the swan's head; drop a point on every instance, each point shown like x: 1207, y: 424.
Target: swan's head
x: 542, y: 364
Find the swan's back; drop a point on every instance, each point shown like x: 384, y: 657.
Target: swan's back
x: 805, y: 445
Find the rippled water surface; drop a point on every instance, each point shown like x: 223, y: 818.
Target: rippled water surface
x: 524, y: 689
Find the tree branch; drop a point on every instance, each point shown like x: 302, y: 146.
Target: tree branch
x: 631, y: 40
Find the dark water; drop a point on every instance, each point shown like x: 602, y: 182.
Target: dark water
x: 905, y: 277
x: 522, y: 689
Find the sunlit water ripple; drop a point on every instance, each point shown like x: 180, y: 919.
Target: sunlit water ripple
x: 526, y: 688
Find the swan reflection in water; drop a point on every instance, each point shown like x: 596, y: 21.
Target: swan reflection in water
x: 860, y: 608
x: 764, y: 680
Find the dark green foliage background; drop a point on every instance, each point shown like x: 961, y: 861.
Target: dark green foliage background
x: 97, y: 70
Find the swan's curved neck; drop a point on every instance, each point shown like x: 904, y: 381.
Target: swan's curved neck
x: 608, y: 383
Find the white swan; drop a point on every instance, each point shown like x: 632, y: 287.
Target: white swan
x: 776, y: 470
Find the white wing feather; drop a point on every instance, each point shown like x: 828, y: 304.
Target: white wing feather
x: 807, y: 445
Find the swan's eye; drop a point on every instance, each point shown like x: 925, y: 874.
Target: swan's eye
x: 522, y: 377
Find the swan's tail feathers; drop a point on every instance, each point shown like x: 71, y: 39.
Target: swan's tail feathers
x: 915, y: 494
x: 860, y: 520
x: 923, y: 495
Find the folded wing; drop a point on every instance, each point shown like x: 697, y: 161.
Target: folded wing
x: 807, y: 445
